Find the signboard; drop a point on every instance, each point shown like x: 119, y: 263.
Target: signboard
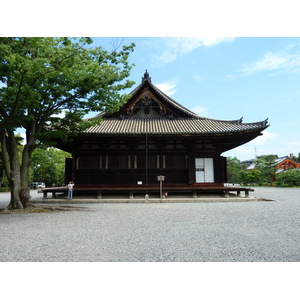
x: 160, y: 178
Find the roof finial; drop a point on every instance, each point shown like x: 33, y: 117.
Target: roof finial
x: 146, y: 77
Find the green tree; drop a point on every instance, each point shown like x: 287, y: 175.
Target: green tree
x: 234, y: 169
x: 251, y: 176
x: 297, y: 159
x: 267, y: 166
x: 48, y: 165
x: 43, y: 77
x: 2, y: 173
x: 289, y: 177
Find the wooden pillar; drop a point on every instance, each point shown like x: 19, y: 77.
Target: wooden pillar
x: 191, y: 169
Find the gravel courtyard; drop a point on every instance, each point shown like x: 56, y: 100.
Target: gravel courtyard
x: 165, y: 232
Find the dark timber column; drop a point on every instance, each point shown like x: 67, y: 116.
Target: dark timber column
x: 191, y: 166
x: 68, y: 170
x: 220, y: 169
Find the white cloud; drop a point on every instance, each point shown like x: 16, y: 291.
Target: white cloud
x: 241, y: 152
x: 260, y: 140
x: 243, y: 149
x: 199, y: 110
x: 229, y: 77
x: 198, y: 78
x: 270, y: 61
x: 168, y: 87
x: 178, y: 46
x: 294, y: 143
x: 274, y: 61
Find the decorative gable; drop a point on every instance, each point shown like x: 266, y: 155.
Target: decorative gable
x: 148, y: 101
x: 147, y: 104
x: 287, y: 164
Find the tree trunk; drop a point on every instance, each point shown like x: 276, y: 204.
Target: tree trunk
x: 15, y: 201
x: 15, y: 185
x: 26, y: 160
x: 10, y: 159
x: 25, y: 196
x: 17, y: 174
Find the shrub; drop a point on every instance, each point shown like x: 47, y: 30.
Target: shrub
x: 288, y: 178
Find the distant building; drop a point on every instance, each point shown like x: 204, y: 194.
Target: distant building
x: 285, y: 163
x: 282, y: 163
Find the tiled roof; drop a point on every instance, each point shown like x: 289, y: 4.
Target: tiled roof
x: 166, y: 126
x: 186, y: 122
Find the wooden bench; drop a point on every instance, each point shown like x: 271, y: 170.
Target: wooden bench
x: 54, y: 191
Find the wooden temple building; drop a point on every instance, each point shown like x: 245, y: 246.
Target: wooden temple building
x: 286, y: 163
x: 152, y: 135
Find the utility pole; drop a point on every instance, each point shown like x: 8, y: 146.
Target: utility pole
x: 146, y: 145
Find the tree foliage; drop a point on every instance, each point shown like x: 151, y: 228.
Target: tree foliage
x: 264, y: 172
x: 251, y: 177
x: 234, y: 170
x: 289, y: 178
x: 48, y: 165
x: 297, y: 158
x: 267, y: 166
x: 43, y: 77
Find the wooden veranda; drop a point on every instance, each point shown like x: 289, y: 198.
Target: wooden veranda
x: 167, y: 190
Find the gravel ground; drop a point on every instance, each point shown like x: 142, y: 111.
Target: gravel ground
x: 166, y: 232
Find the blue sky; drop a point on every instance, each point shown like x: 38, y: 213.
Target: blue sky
x: 255, y: 76
x: 228, y: 78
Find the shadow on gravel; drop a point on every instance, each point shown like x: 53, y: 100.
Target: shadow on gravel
x: 42, y: 209
x: 264, y: 199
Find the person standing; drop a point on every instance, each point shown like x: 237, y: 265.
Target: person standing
x: 70, y: 190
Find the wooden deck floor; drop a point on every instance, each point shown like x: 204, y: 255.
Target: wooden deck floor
x: 131, y: 191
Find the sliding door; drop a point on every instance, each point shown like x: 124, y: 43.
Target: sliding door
x: 204, y: 170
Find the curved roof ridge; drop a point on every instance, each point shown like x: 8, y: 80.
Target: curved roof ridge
x: 239, y: 121
x: 263, y: 123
